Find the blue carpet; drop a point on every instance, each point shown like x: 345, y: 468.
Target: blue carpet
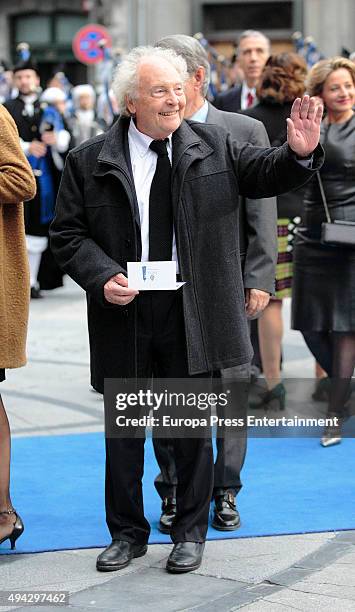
x: 291, y: 486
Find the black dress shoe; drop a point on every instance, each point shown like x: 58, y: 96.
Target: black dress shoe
x: 118, y: 555
x: 168, y: 514
x: 36, y: 294
x: 226, y: 516
x: 185, y: 557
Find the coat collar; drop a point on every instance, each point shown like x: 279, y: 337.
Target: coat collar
x: 114, y: 159
x: 212, y: 114
x: 186, y: 142
x: 115, y: 150
x: 115, y: 147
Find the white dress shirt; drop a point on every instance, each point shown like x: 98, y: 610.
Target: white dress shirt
x: 144, y: 163
x: 244, y: 95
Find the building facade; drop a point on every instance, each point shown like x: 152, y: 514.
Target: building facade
x: 49, y: 25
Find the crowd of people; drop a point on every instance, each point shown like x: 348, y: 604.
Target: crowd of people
x: 244, y: 224
x: 50, y: 122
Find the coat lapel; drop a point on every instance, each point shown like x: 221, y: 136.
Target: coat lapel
x: 186, y: 143
x: 114, y: 159
x: 188, y: 147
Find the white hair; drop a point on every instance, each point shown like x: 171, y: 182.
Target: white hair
x: 125, y: 81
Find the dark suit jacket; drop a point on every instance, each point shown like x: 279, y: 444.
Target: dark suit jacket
x: 258, y: 218
x: 229, y: 100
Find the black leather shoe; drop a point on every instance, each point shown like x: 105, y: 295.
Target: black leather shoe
x: 185, y: 557
x: 168, y: 514
x: 36, y: 294
x: 226, y: 516
x: 118, y: 555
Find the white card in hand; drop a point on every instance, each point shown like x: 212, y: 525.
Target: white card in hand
x: 152, y: 275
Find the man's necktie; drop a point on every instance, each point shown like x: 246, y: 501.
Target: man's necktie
x: 160, y: 206
x: 250, y: 99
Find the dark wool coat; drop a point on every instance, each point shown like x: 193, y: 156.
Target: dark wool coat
x: 96, y: 231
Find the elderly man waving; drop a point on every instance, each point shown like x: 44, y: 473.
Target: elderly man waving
x: 155, y: 187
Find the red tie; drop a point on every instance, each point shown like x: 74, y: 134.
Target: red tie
x: 250, y: 99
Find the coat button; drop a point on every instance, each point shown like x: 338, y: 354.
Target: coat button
x: 128, y: 242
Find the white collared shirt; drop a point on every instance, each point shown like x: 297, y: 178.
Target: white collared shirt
x: 144, y: 163
x: 201, y: 114
x: 244, y: 95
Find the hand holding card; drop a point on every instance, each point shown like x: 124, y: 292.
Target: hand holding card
x: 152, y: 275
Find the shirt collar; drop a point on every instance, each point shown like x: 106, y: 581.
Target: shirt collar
x: 141, y: 141
x: 201, y: 114
x: 246, y: 90
x: 29, y: 98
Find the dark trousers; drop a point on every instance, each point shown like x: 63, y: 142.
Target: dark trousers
x: 231, y: 447
x: 254, y: 337
x: 162, y: 353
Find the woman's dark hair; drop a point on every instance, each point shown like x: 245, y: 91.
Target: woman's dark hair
x: 283, y: 78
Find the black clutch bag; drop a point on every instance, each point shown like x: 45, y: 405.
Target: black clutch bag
x: 335, y: 233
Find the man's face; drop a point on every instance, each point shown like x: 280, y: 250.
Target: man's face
x: 26, y: 81
x: 160, y: 102
x: 253, y: 53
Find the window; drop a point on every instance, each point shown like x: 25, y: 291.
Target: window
x: 34, y: 29
x: 247, y: 15
x: 49, y: 36
x: 66, y: 26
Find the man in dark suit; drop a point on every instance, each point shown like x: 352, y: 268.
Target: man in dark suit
x: 252, y: 54
x: 111, y: 210
x: 258, y: 253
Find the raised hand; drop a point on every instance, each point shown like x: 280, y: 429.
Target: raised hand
x: 303, y: 125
